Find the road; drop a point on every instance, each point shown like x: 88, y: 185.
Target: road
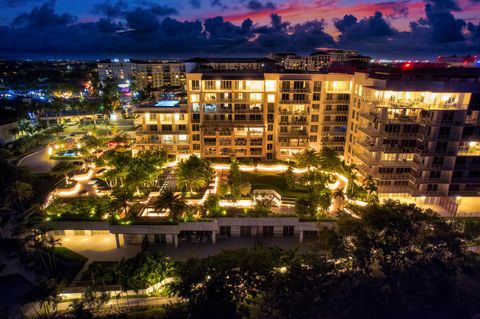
x: 38, y: 161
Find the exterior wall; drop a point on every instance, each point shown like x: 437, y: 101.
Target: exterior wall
x: 162, y: 128
x: 411, y: 147
x: 5, y: 135
x: 267, y: 116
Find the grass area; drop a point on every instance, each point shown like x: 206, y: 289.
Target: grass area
x: 71, y: 263
x: 274, y: 181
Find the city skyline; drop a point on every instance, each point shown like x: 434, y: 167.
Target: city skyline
x: 412, y: 29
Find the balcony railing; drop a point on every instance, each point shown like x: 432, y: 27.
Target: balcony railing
x: 302, y: 90
x: 151, y: 132
x: 294, y: 133
x: 306, y: 101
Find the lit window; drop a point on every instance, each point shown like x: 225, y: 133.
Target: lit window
x: 194, y: 98
x: 270, y: 85
x: 271, y: 98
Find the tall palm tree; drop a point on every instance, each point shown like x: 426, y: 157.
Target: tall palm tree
x: 329, y: 160
x: 121, y: 198
x: 338, y: 193
x: 172, y: 202
x: 19, y: 192
x: 351, y: 181
x: 64, y: 168
x: 193, y: 173
x: 370, y: 186
x: 307, y: 159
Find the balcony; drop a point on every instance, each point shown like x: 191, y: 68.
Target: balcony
x: 294, y: 112
x: 252, y: 110
x: 468, y: 151
x: 433, y: 152
x: 416, y: 105
x: 429, y: 180
x: 369, y: 131
x: 343, y: 112
x: 301, y: 123
x: 149, y: 132
x: 294, y: 101
x: 400, y: 189
x: 302, y: 90
x: 294, y: 134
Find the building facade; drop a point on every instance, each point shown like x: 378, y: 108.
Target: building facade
x: 417, y: 138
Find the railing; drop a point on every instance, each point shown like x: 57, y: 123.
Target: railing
x: 468, y: 151
x: 292, y: 112
x: 294, y: 101
x: 294, y: 123
x: 150, y: 132
x: 416, y: 104
x: 303, y: 90
x: 430, y: 180
x: 255, y: 110
x: 294, y: 133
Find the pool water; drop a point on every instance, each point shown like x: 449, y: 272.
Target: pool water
x: 68, y: 153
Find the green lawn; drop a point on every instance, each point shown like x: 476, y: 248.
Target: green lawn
x: 274, y: 181
x: 69, y: 264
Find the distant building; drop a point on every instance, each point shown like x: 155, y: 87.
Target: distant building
x: 460, y: 61
x: 118, y: 70
x: 8, y: 124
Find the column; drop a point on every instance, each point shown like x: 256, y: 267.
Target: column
x: 175, y: 240
x: 214, y: 236
x: 301, y: 236
x: 117, y: 241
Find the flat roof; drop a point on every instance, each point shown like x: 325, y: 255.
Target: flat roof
x: 167, y: 103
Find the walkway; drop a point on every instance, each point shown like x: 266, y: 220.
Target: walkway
x: 38, y: 162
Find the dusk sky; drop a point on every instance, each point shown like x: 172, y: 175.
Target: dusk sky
x: 406, y: 28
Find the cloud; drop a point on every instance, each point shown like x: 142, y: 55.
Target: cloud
x: 197, y: 4
x: 110, y: 10
x: 44, y: 31
x: 257, y: 5
x: 43, y: 17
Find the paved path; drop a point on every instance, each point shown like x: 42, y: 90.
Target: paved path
x: 38, y: 161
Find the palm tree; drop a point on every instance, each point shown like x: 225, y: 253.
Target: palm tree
x: 371, y: 187
x: 329, y: 160
x: 338, y: 193
x: 353, y: 176
x: 121, y: 197
x: 193, y: 173
x: 19, y: 191
x: 64, y: 168
x: 172, y: 202
x: 307, y: 159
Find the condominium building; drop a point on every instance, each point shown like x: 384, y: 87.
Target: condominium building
x: 417, y: 133
x: 266, y: 116
x: 160, y: 75
x: 162, y: 125
x: 118, y: 70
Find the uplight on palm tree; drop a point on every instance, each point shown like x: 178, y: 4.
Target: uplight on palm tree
x: 19, y: 192
x: 172, y: 203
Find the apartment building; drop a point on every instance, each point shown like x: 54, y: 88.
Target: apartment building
x: 119, y: 70
x: 160, y: 75
x: 266, y: 116
x: 417, y: 133
x: 162, y: 125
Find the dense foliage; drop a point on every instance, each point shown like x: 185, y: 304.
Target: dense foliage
x: 391, y: 261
